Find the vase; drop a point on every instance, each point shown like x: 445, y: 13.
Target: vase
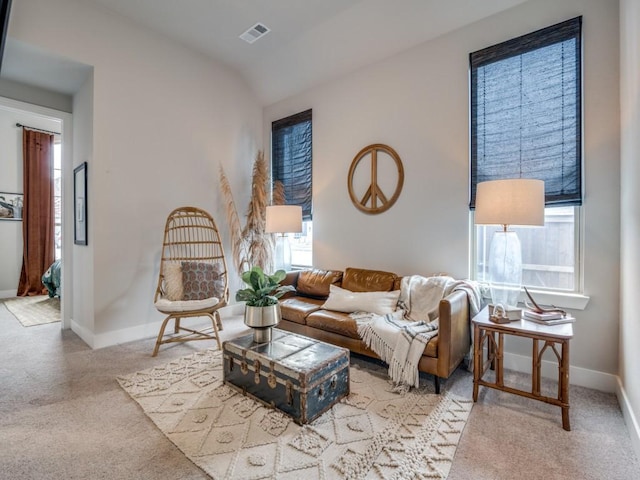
x: 262, y: 320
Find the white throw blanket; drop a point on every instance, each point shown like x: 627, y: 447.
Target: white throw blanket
x: 399, y: 343
x: 420, y: 296
x: 400, y: 338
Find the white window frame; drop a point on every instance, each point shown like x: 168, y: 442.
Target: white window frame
x: 292, y: 241
x: 573, y: 299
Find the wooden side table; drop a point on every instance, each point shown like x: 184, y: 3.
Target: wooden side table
x: 554, y: 336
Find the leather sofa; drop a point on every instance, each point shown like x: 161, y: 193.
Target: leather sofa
x: 302, y: 313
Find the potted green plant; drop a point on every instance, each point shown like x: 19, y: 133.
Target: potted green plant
x: 262, y: 310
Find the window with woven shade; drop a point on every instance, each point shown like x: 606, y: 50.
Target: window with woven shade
x: 526, y: 122
x: 291, y: 154
x: 291, y: 165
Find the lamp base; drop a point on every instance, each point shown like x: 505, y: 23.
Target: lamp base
x: 283, y: 253
x: 505, y: 268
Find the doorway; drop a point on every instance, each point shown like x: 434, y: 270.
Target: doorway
x: 13, y: 112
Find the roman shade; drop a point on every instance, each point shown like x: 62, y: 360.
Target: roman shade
x: 526, y: 112
x: 291, y: 154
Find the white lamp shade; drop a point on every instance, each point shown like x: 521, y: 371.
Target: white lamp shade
x: 515, y: 201
x: 284, y: 219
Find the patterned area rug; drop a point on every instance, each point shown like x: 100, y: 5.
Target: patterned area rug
x: 36, y: 310
x: 372, y: 434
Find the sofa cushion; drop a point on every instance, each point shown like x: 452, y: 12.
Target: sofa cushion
x: 342, y: 300
x: 291, y: 278
x: 343, y: 324
x: 295, y: 309
x: 315, y: 283
x: 362, y: 280
x: 332, y: 321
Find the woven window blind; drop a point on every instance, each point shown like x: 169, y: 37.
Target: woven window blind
x: 526, y: 106
x: 291, y: 154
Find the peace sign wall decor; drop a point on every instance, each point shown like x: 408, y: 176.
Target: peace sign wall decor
x: 374, y: 200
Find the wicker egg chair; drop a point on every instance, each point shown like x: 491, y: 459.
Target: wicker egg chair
x: 193, y: 280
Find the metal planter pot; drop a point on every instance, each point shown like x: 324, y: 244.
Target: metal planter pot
x: 262, y: 320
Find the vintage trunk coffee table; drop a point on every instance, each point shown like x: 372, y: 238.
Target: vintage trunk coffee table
x: 298, y: 375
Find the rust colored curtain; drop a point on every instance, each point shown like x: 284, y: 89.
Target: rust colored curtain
x: 37, y: 214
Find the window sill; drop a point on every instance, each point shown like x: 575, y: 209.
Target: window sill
x: 573, y: 301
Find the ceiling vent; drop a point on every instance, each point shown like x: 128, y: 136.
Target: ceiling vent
x: 255, y: 32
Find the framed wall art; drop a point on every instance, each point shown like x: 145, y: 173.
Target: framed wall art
x: 11, y: 206
x: 80, y: 204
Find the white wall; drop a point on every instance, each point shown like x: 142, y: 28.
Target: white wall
x: 11, y: 181
x: 417, y: 102
x: 81, y: 262
x: 630, y: 214
x: 34, y: 95
x: 164, y: 118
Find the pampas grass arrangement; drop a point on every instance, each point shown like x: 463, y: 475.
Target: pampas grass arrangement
x: 250, y: 246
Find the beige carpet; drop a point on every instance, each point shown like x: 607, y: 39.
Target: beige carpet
x: 372, y: 434
x: 36, y: 310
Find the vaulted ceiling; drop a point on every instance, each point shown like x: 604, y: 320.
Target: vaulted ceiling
x: 310, y: 41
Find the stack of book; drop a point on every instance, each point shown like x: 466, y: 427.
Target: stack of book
x: 547, y: 318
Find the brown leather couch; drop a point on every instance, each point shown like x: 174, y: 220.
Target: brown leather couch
x: 302, y: 313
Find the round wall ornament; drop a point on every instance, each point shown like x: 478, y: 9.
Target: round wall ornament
x: 374, y: 200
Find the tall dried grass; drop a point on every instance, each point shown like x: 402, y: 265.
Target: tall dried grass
x: 250, y: 246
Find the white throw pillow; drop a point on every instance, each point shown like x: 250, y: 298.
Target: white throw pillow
x: 173, y: 289
x: 346, y: 301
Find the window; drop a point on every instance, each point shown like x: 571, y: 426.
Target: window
x: 526, y: 109
x: 291, y: 165
x: 57, y: 199
x: 550, y: 258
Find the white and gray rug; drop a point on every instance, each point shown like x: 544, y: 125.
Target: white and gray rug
x: 36, y: 310
x: 372, y: 434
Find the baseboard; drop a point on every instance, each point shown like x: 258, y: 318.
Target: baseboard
x: 582, y: 377
x: 8, y: 293
x: 84, y: 333
x: 148, y: 330
x: 629, y: 417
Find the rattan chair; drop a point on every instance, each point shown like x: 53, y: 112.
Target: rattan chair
x: 193, y: 280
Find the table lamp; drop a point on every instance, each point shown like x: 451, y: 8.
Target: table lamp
x: 283, y: 219
x: 508, y: 202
